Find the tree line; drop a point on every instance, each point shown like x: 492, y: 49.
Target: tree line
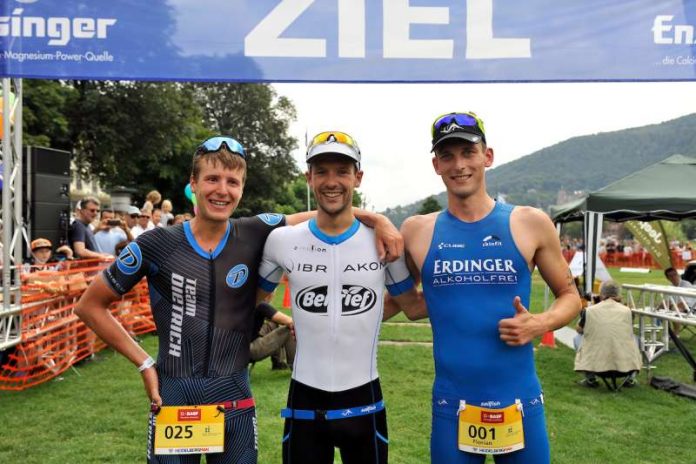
x: 142, y: 135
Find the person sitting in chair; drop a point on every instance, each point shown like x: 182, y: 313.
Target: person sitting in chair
x: 274, y: 336
x: 609, y: 347
x: 684, y: 304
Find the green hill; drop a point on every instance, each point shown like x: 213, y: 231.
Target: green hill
x: 584, y: 163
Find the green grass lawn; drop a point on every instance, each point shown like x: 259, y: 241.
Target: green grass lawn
x: 97, y: 412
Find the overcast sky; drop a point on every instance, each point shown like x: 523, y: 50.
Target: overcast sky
x: 391, y: 122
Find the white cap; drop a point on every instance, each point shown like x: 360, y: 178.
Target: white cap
x: 333, y: 146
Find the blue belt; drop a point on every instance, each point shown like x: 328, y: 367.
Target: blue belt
x: 319, y: 414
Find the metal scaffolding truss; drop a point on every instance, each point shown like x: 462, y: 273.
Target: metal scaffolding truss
x: 12, y: 223
x: 655, y: 306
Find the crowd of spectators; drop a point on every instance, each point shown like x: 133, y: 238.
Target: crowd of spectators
x: 628, y: 252
x: 97, y: 232
x: 101, y: 233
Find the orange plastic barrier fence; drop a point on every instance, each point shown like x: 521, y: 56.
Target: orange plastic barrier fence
x: 53, y: 338
x: 639, y: 259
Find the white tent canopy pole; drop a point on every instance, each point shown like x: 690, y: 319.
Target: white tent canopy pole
x: 592, y: 233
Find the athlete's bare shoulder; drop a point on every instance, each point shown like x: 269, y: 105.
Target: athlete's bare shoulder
x: 530, y: 216
x: 417, y: 223
x: 532, y: 229
x: 418, y: 233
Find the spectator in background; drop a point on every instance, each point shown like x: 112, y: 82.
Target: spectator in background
x: 143, y: 223
x: 166, y: 213
x: 126, y: 221
x: 109, y: 233
x: 156, y: 217
x: 131, y: 217
x: 80, y: 236
x: 154, y: 197
x: 273, y: 335
x: 179, y: 219
x: 40, y: 272
x: 685, y: 304
x: 42, y: 258
x: 147, y: 206
x: 608, y: 342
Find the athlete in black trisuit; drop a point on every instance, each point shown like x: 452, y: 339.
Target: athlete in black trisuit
x: 202, y: 277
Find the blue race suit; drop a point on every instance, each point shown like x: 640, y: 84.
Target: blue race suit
x: 471, y: 275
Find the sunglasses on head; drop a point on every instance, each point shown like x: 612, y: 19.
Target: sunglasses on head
x: 334, y: 137
x: 215, y: 144
x: 461, y: 119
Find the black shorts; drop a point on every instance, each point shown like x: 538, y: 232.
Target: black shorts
x: 240, y: 425
x: 361, y: 439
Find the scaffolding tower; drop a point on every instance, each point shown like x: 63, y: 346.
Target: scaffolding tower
x: 12, y: 223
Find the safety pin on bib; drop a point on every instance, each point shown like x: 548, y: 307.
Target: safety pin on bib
x: 462, y: 406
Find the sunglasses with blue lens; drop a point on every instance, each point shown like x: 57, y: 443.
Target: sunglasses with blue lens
x: 215, y: 143
x: 462, y: 119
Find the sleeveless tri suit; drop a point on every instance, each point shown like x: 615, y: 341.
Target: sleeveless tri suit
x: 471, y: 274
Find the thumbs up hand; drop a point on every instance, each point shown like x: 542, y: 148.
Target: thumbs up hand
x: 521, y: 328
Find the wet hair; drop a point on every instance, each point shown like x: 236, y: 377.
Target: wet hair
x: 228, y: 159
x: 334, y: 156
x: 457, y: 141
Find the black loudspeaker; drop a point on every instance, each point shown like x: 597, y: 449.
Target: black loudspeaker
x: 47, y: 194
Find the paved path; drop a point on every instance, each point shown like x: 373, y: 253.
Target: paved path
x: 409, y: 324
x: 565, y: 336
x: 395, y: 343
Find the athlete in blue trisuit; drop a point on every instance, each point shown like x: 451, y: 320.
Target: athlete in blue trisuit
x: 337, y: 282
x: 475, y: 260
x: 202, y: 276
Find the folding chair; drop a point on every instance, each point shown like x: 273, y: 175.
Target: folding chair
x: 615, y: 380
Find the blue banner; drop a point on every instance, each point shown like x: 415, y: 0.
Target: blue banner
x: 350, y: 40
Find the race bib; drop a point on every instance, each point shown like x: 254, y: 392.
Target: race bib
x: 490, y: 431
x: 190, y: 430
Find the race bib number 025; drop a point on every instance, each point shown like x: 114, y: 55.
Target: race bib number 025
x: 189, y: 430
x: 490, y: 431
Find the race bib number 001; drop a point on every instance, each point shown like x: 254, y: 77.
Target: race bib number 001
x: 490, y: 431
x: 189, y: 430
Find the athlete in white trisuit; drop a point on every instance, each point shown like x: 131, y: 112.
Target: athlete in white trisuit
x: 337, y: 282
